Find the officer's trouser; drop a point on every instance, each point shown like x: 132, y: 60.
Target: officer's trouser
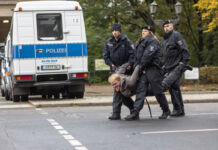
x: 154, y: 78
x: 118, y: 99
x: 173, y: 79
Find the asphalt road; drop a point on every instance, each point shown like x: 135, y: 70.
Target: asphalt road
x: 82, y: 128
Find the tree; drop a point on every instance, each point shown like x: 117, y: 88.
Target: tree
x: 209, y: 13
x: 133, y: 14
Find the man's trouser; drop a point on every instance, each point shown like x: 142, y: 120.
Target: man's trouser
x: 118, y: 99
x: 154, y: 78
x: 173, y: 82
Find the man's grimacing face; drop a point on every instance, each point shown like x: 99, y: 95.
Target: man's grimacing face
x: 168, y: 27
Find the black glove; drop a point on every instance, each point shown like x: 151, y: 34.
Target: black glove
x: 113, y: 68
x: 182, y: 66
x: 163, y: 70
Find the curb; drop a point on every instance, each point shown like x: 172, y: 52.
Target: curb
x: 80, y: 103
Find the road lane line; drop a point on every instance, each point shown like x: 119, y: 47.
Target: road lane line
x: 58, y: 127
x: 68, y: 137
x: 81, y: 148
x: 179, y: 131
x: 75, y: 143
x: 51, y: 120
x: 201, y: 114
x: 63, y: 132
x: 54, y: 123
x: 44, y: 113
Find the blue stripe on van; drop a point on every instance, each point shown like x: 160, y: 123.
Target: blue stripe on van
x: 50, y: 50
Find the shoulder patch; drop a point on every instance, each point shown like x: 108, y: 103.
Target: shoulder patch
x: 151, y: 48
x: 132, y: 46
x: 179, y: 42
x: 109, y: 44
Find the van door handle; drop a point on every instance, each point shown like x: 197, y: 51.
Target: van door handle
x: 39, y: 50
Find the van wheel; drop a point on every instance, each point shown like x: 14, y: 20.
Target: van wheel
x: 80, y: 94
x: 16, y: 98
x: 71, y: 95
x: 43, y: 96
x: 3, y: 93
x: 24, y: 98
x: 56, y: 95
x: 7, y: 96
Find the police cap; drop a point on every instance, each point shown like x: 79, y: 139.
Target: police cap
x: 150, y: 28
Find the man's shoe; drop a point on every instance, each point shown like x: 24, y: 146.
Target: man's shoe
x: 165, y: 115
x: 114, y: 116
x: 133, y: 116
x: 182, y: 113
x: 176, y: 113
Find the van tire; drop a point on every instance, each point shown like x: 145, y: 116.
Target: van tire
x: 16, y: 98
x: 71, y: 95
x: 7, y: 96
x: 3, y: 93
x: 80, y: 94
x: 24, y: 98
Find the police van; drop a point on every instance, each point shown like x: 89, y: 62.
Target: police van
x: 47, y: 50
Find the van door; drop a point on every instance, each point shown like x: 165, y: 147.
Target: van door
x: 73, y: 33
x: 50, y: 45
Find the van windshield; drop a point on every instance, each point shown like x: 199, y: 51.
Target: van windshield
x: 49, y: 27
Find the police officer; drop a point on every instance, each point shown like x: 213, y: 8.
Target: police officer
x: 176, y: 56
x: 119, y: 50
x: 149, y: 58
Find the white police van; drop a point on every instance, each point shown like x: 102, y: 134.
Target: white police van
x: 47, y: 50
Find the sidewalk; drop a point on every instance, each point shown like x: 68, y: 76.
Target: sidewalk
x: 102, y: 96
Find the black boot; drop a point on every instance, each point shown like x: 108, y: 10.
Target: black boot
x: 176, y: 113
x: 114, y: 116
x: 183, y: 112
x: 165, y: 114
x: 134, y: 115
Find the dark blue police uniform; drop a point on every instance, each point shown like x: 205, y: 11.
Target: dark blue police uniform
x: 118, y: 53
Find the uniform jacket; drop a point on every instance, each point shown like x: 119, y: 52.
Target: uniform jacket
x: 175, y: 50
x: 147, y: 52
x: 118, y: 52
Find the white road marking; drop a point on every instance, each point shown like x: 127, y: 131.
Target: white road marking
x: 43, y: 113
x: 201, y: 114
x: 51, y: 120
x: 81, y: 148
x: 74, y: 142
x: 68, y: 137
x: 179, y: 131
x: 54, y: 123
x: 38, y: 109
x: 58, y: 127
x: 63, y: 132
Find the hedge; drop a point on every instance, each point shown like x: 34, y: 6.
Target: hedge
x: 208, y: 75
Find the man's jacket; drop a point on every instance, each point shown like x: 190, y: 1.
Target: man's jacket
x: 147, y: 52
x: 175, y: 50
x: 118, y: 52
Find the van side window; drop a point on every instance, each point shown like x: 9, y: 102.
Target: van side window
x: 49, y: 27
